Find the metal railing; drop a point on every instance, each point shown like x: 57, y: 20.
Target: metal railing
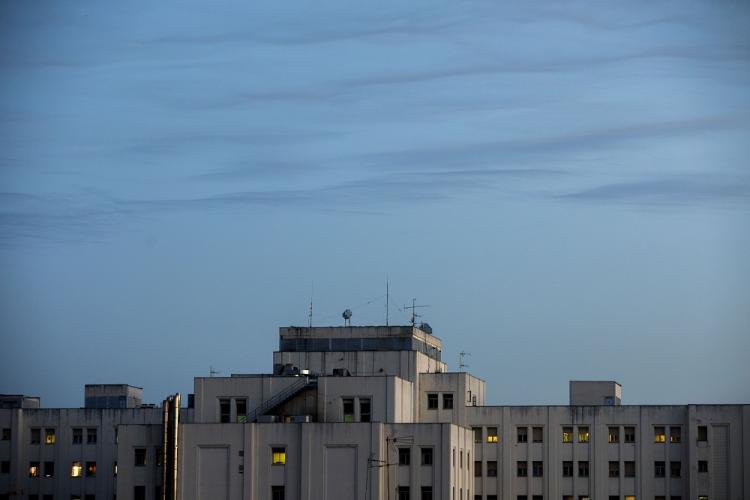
x: 281, y: 397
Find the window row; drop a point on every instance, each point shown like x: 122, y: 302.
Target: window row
x: 569, y: 433
x: 50, y: 436
x: 433, y: 398
x: 404, y: 493
x: 426, y: 456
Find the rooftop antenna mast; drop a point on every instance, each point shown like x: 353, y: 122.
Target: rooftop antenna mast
x: 387, y: 299
x: 211, y: 372
x: 309, y: 313
x: 462, y: 360
x: 414, y: 314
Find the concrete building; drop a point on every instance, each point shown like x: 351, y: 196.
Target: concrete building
x: 374, y: 413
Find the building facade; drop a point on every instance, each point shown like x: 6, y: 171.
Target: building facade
x: 372, y: 413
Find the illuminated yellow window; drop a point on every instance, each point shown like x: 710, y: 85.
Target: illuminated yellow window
x: 629, y: 497
x: 49, y: 436
x: 659, y: 435
x: 567, y: 435
x: 492, y: 434
x: 583, y: 434
x: 76, y: 470
x: 278, y: 456
x: 33, y: 469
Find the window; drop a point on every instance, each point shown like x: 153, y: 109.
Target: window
x: 6, y: 434
x: 521, y: 497
x: 491, y: 497
x: 158, y: 454
x: 240, y: 405
x: 365, y: 412
x: 91, y: 435
x: 614, y: 469
x: 538, y: 497
x: 583, y: 497
x: 50, y: 497
x: 567, y: 469
x: 448, y: 401
x: 426, y: 456
x: 49, y: 469
x: 492, y: 468
x: 36, y: 436
x: 629, y: 469
x: 660, y: 497
x: 461, y: 459
x: 675, y: 497
x: 31, y: 497
x: 278, y: 456
x: 76, y: 470
x: 537, y: 434
x: 49, y: 436
x: 614, y: 497
x: 583, y: 469
x: 90, y: 497
x: 659, y: 435
x: 675, y: 469
x: 403, y: 493
x: 90, y: 469
x: 432, y: 401
x: 521, y: 469
x: 567, y: 497
x: 139, y: 493
x: 630, y: 434
x: 703, y: 497
x: 140, y: 457
x: 567, y: 435
x: 477, y: 434
x: 629, y: 497
x: 583, y: 434
x: 702, y: 436
x: 675, y: 434
x: 277, y: 493
x: 75, y: 497
x: 478, y: 468
x: 404, y: 456
x: 522, y: 433
x: 614, y: 435
x: 5, y: 467
x: 348, y: 404
x: 77, y: 435
x: 702, y: 465
x: 426, y: 492
x: 659, y: 469
x: 114, y: 469
x: 492, y: 434
x: 225, y: 410
x: 537, y: 469
x: 33, y: 469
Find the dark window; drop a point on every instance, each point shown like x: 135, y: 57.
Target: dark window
x: 522, y: 469
x: 614, y: 497
x: 675, y: 434
x: 522, y: 433
x: 702, y: 433
x: 426, y: 492
x: 567, y: 469
x: 32, y: 497
x: 537, y: 434
x: 91, y: 436
x: 477, y: 434
x: 614, y: 469
x: 158, y: 455
x: 90, y: 497
x: 448, y: 401
x: 614, y: 434
x: 583, y: 469
x: 6, y: 434
x: 139, y: 493
x: 659, y: 469
x: 675, y: 497
x: 403, y: 493
x: 91, y: 469
x: 630, y: 434
x: 36, y: 436
x: 432, y: 401
x: 404, y: 456
x: 348, y: 404
x: 702, y: 465
x: 521, y: 497
x: 277, y: 493
x: 675, y: 469
x: 365, y: 411
x: 491, y: 497
x: 140, y: 457
x: 537, y: 469
x: 241, y: 406
x: 50, y: 497
x: 478, y: 468
x: 629, y: 469
x: 538, y: 497
x: 492, y: 468
x: 78, y: 436
x: 225, y: 410
x: 426, y: 456
x: 5, y: 467
x: 49, y: 469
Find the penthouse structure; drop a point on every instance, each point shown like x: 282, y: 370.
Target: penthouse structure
x: 360, y: 412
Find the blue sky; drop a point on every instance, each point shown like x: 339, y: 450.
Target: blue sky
x: 565, y: 184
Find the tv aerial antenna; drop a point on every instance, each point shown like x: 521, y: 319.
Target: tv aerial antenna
x: 414, y: 308
x: 462, y: 360
x: 212, y: 373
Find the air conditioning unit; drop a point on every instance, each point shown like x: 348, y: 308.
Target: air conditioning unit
x: 268, y: 419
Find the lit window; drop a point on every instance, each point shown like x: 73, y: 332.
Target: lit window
x: 630, y: 434
x: 659, y: 435
x: 49, y: 436
x: 76, y: 470
x: 675, y: 434
x: 348, y: 404
x: 583, y: 434
x: 478, y: 434
x: 614, y: 435
x: 365, y: 410
x: 432, y: 401
x: 278, y: 456
x: 33, y: 469
x: 537, y: 434
x: 522, y: 433
x: 629, y: 497
x: 702, y: 497
x: 90, y: 469
x: 448, y: 401
x: 567, y: 435
x: 491, y: 434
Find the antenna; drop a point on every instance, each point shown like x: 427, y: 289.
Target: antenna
x: 309, y: 313
x: 414, y: 314
x: 212, y: 372
x: 462, y: 360
x: 387, y: 299
x: 347, y: 315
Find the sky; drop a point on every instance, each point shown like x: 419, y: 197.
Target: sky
x: 565, y: 184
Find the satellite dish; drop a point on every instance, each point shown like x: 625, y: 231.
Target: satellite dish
x: 347, y: 314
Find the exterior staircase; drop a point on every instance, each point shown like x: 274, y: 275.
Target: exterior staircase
x: 282, y: 397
